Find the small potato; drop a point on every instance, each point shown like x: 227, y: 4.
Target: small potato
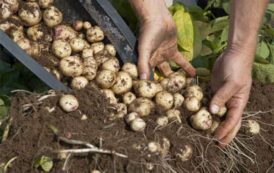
x: 111, y: 64
x: 202, y: 120
x: 149, y: 166
x: 5, y: 11
x: 131, y: 116
x: 153, y: 147
x: 90, y: 68
x: 52, y: 16
x: 71, y: 66
x: 30, y: 13
x: 123, y: 83
x: 34, y: 49
x: 142, y: 106
x: 95, y: 171
x: 110, y: 96
x: 176, y: 82
x: 164, y: 83
x: 79, y: 82
x: 77, y: 44
x: 87, y: 25
x: 162, y: 121
x: 252, y: 127
x: 138, y: 125
x: 106, y: 79
x: 164, y: 100
x: 37, y: 33
x: 69, y: 103
x: 110, y: 49
x: 45, y: 3
x: 97, y: 47
x: 16, y: 34
x: 95, y: 34
x: 101, y: 57
x: 222, y: 111
x: 64, y: 32
x: 61, y: 48
x: 214, y: 126
x: 24, y: 43
x: 13, y: 5
x: 88, y: 52
x: 121, y: 109
x: 190, y: 81
x: 194, y: 91
x: 192, y: 104
x: 178, y: 100
x: 78, y: 25
x: 131, y: 69
x: 147, y: 88
x: 174, y: 115
x: 185, y: 154
x: 56, y: 74
x: 12, y: 22
x: 128, y: 98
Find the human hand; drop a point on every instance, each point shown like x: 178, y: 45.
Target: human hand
x: 158, y: 42
x: 231, y: 82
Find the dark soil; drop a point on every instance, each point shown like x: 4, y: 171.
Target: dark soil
x: 31, y: 137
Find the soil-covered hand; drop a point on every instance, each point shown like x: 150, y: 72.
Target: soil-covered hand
x: 158, y: 39
x: 231, y: 82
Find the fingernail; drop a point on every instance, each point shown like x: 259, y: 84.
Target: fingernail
x: 215, y: 109
x: 143, y: 76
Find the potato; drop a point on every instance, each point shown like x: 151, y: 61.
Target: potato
x: 142, y: 106
x: 110, y: 49
x: 111, y: 64
x: 45, y: 3
x: 202, y: 120
x: 7, y: 8
x: 222, y: 111
x: 153, y: 147
x: 71, y: 66
x: 77, y: 44
x: 34, y: 49
x: 123, y: 83
x: 174, y: 115
x: 185, y: 154
x: 164, y: 100
x: 37, y: 33
x: 79, y: 82
x: 13, y: 5
x: 162, y: 121
x: 78, y: 25
x: 176, y: 82
x: 69, y: 103
x: 97, y: 47
x: 178, y: 100
x: 131, y: 69
x: 110, y: 96
x: 88, y: 52
x: 164, y: 83
x: 95, y: 34
x: 56, y: 74
x: 64, y: 32
x: 131, y: 116
x: 147, y: 88
x: 24, y: 43
x: 30, y: 13
x: 106, y: 79
x: 16, y: 34
x: 194, y: 91
x: 128, y: 98
x: 87, y: 25
x: 90, y: 68
x: 190, y: 81
x: 52, y: 16
x: 121, y: 109
x: 101, y: 57
x: 214, y: 126
x: 251, y: 127
x: 95, y: 171
x: 192, y: 104
x: 61, y: 48
x: 149, y: 166
x: 138, y: 125
x: 12, y: 22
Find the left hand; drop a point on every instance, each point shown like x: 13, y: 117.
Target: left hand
x: 231, y: 83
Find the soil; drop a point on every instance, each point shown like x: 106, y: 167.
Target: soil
x: 31, y: 136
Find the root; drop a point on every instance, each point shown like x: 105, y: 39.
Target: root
x: 254, y: 113
x: 271, y: 167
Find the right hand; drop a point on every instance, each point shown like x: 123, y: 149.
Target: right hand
x: 158, y: 42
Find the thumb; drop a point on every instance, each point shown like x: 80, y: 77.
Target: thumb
x: 143, y: 63
x: 222, y: 95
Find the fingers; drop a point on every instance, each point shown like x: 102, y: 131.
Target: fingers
x: 182, y: 62
x: 222, y: 95
x: 228, y: 138
x: 234, y: 115
x: 165, y: 68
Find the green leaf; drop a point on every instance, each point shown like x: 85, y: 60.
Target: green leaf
x: 219, y: 24
x: 44, y: 162
x: 2, y: 102
x: 263, y: 72
x: 271, y: 48
x: 3, y: 111
x: 197, y: 13
x: 226, y: 7
x: 262, y: 50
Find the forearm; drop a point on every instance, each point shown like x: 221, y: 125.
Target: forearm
x: 149, y: 9
x: 245, y: 20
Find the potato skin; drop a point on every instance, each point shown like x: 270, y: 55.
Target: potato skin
x: 95, y: 34
x: 146, y: 88
x: 106, y: 79
x: 52, y: 16
x: 30, y: 13
x: 131, y: 69
x: 71, y: 66
x: 123, y: 83
x: 202, y: 120
x: 164, y: 100
x: 61, y: 48
x: 142, y: 106
x: 64, y: 32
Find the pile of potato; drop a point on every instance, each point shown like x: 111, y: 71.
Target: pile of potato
x: 37, y: 27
